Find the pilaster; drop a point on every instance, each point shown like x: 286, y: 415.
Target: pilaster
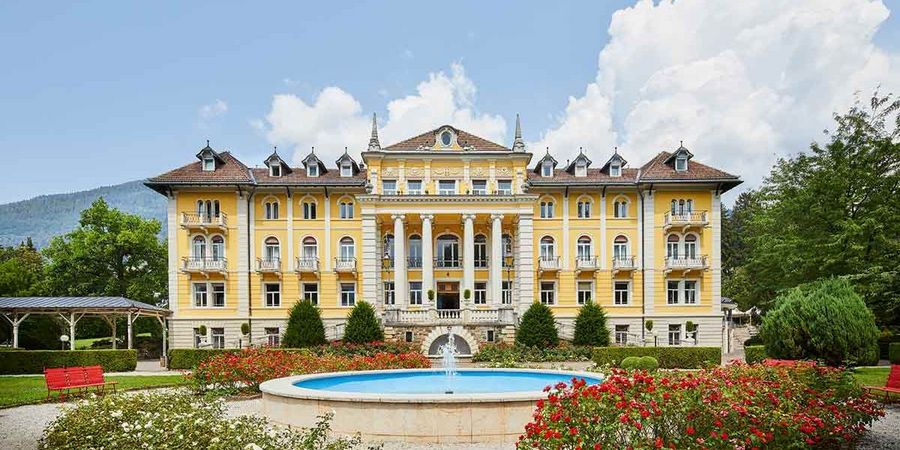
x: 496, y: 261
x: 525, y: 262
x: 370, y: 259
x: 716, y: 228
x: 427, y: 256
x: 468, y: 252
x: 400, y: 285
x: 648, y: 261
x: 172, y: 234
x: 603, y: 241
x: 245, y: 252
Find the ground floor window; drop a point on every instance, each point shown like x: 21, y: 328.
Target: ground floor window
x: 675, y: 334
x: 548, y: 292
x: 348, y: 294
x: 585, y: 292
x: 200, y: 295
x: 218, y: 292
x: 480, y: 293
x: 409, y: 336
x: 622, y: 334
x: 415, y: 292
x: 273, y: 337
x: 620, y: 292
x: 198, y: 338
x: 273, y: 294
x: 218, y: 337
x: 490, y: 336
x: 507, y: 293
x: 389, y: 296
x: 311, y: 292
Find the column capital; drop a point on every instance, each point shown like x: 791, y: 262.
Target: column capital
x: 466, y: 217
x: 496, y: 216
x: 400, y: 217
x: 428, y: 217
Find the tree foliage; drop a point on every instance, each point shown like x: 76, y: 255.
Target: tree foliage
x: 537, y: 327
x: 305, y: 327
x: 362, y: 325
x: 590, y: 326
x: 824, y: 320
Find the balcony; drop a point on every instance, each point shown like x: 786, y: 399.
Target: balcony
x: 414, y: 262
x: 586, y: 263
x: 686, y: 220
x: 203, y: 265
x: 548, y: 264
x: 432, y: 316
x: 306, y: 265
x: 268, y: 265
x: 623, y: 263
x: 345, y: 265
x: 686, y: 263
x: 447, y: 263
x: 204, y: 221
x: 481, y: 263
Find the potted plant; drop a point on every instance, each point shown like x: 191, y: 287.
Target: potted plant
x: 245, y: 333
x: 202, y: 330
x: 691, y: 329
x: 650, y: 337
x: 431, y: 295
x: 466, y: 294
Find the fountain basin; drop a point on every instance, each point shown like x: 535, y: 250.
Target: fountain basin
x: 411, y: 405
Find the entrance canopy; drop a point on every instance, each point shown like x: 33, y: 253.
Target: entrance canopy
x: 72, y: 309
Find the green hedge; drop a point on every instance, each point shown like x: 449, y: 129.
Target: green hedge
x: 894, y: 352
x: 668, y: 357
x: 754, y: 353
x: 188, y: 358
x: 35, y: 361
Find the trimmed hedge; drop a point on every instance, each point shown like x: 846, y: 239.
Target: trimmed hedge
x: 668, y: 357
x: 894, y: 352
x: 754, y: 353
x: 188, y: 358
x: 35, y: 361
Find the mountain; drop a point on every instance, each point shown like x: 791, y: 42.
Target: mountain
x: 46, y: 216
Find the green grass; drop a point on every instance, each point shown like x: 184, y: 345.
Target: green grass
x: 85, y: 344
x: 16, y: 391
x: 871, y: 376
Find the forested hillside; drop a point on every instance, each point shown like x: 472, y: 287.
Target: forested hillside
x: 46, y: 216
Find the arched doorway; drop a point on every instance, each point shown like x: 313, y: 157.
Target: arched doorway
x: 462, y: 346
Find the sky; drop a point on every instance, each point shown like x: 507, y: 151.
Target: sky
x: 99, y: 93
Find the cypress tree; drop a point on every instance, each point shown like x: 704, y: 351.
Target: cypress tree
x: 590, y: 326
x: 362, y: 325
x: 537, y: 327
x: 305, y: 327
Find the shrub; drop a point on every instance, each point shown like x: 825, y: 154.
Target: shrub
x: 738, y: 406
x: 35, y: 361
x: 176, y: 420
x: 362, y: 325
x: 648, y: 363
x: 754, y: 353
x: 537, y: 327
x: 754, y: 340
x: 188, y: 358
x: 590, y: 326
x: 668, y: 357
x: 824, y: 320
x: 894, y: 352
x: 630, y: 363
x: 305, y: 327
x: 514, y: 354
x: 245, y: 328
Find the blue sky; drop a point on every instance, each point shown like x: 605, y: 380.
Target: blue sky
x: 105, y: 92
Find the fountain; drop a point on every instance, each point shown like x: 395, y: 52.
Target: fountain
x: 448, y: 359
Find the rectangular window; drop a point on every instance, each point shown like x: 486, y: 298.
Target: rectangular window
x: 580, y: 170
x: 675, y: 334
x: 346, y: 210
x: 273, y: 337
x: 200, y: 294
x: 198, y: 338
x: 447, y: 187
x: 622, y: 334
x: 389, y: 297
x: 389, y: 187
x: 548, y: 292
x: 672, y: 292
x: 408, y: 336
x: 585, y: 292
x: 615, y: 170
x: 681, y: 164
x: 490, y: 336
x: 414, y: 187
x: 690, y: 292
x: 218, y: 295
x: 346, y: 170
x: 507, y: 292
x: 309, y: 210
x: 547, y: 210
x: 312, y: 170
x: 348, y: 294
x: 620, y: 293
x: 209, y: 164
x: 273, y: 294
x: 311, y: 292
x: 275, y: 171
x: 480, y: 293
x: 415, y: 292
x: 584, y: 209
x: 547, y: 169
x: 504, y: 187
x: 479, y: 187
x: 218, y: 337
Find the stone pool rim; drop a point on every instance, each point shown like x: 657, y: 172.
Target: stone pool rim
x: 284, y: 387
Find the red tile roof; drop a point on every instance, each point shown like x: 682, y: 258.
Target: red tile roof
x: 464, y: 138
x: 298, y: 177
x: 231, y: 170
x: 657, y: 169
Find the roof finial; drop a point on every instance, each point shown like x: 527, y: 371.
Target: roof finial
x: 207, y: 142
x: 276, y: 149
x: 374, y: 144
x: 518, y: 143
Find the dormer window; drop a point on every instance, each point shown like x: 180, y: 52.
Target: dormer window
x: 275, y: 170
x: 209, y: 163
x: 312, y: 170
x: 346, y: 169
x: 547, y: 169
x: 581, y: 170
x: 681, y: 163
x: 615, y: 170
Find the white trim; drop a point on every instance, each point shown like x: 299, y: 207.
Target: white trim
x: 245, y: 253
x: 565, y: 237
x: 603, y: 262
x: 328, y: 242
x: 648, y: 262
x: 172, y: 242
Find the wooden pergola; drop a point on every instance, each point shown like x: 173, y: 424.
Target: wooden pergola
x: 72, y: 309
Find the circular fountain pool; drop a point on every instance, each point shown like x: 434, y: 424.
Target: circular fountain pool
x: 418, y: 405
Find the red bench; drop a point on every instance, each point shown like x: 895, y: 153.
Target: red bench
x: 892, y: 386
x: 76, y: 379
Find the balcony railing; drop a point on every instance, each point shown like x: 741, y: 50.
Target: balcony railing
x: 449, y: 314
x: 414, y: 262
x: 584, y: 262
x: 481, y: 263
x: 306, y: 264
x: 686, y: 219
x: 432, y: 316
x: 447, y: 263
x: 201, y: 265
x: 686, y: 263
x: 548, y: 263
x: 620, y: 263
x: 343, y: 264
x: 268, y: 265
x: 196, y: 220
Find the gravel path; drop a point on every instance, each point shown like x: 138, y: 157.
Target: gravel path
x: 21, y: 427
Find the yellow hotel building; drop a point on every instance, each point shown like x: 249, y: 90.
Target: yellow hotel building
x: 444, y: 229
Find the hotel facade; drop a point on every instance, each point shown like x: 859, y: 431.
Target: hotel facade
x: 445, y: 229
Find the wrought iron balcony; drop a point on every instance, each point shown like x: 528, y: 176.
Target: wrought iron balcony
x: 192, y: 220
x: 447, y: 263
x: 345, y: 264
x: 268, y: 265
x: 414, y: 262
x: 203, y: 265
x: 686, y: 219
x: 306, y: 265
x: 686, y: 263
x: 481, y: 263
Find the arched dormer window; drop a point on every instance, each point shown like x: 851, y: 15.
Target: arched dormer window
x: 584, y: 207
x: 584, y: 248
x: 548, y: 248
x: 620, y: 208
x: 270, y: 208
x: 272, y: 249
x: 546, y: 207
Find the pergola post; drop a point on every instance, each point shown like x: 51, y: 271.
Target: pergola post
x: 15, y: 321
x: 165, y: 342
x: 72, y: 321
x: 111, y: 320
x: 130, y: 321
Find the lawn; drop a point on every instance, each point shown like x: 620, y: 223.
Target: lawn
x: 85, y: 344
x: 871, y: 376
x: 31, y: 389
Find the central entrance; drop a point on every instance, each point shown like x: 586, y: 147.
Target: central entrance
x: 448, y: 295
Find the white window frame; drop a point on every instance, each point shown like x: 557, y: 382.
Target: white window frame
x: 548, y: 296
x: 480, y: 295
x: 311, y: 295
x: 411, y: 190
x: 346, y: 248
x: 547, y: 209
x: 217, y: 249
x: 217, y: 340
x: 547, y: 169
x: 479, y: 187
x: 615, y: 170
x: 583, y: 208
x: 201, y: 295
x: 620, y: 249
x: 309, y: 208
x: 619, y: 293
x: 213, y: 291
x: 390, y: 296
x: 275, y: 170
x: 270, y: 209
x: 348, y: 296
x: 388, y: 187
x: 272, y: 298
x: 504, y: 187
x: 620, y: 208
x: 273, y: 339
x: 621, y: 334
x: 547, y: 249
x: 209, y: 164
x: 584, y: 291
x: 584, y: 248
x: 346, y: 169
x: 345, y: 209
x: 442, y: 190
x: 690, y: 296
x: 670, y: 291
x: 581, y: 170
x: 312, y: 170
x: 674, y: 334
x: 415, y: 292
x: 681, y: 164
x: 506, y: 292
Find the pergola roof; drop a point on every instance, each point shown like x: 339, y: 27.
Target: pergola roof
x: 101, y: 305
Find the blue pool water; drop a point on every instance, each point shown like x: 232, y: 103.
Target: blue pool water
x: 436, y: 382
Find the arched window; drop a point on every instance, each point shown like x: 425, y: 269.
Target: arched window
x: 272, y: 250
x: 310, y: 249
x: 481, y: 259
x: 198, y: 247
x: 672, y: 246
x: 447, y: 251
x: 309, y: 209
x: 548, y: 248
x: 345, y: 209
x: 690, y: 246
x: 415, y: 251
x: 271, y: 209
x: 388, y: 246
x: 348, y: 249
x: 620, y: 247
x: 218, y: 247
x: 584, y: 208
x: 620, y: 208
x: 584, y: 248
x: 674, y: 206
x: 547, y: 209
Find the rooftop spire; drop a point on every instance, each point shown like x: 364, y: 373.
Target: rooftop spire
x: 518, y: 143
x: 374, y: 145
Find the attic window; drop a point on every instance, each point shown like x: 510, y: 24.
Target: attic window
x: 275, y: 170
x: 581, y: 170
x: 312, y: 170
x: 346, y: 169
x: 209, y: 163
x: 547, y: 169
x: 446, y: 138
x: 615, y: 170
x: 681, y: 163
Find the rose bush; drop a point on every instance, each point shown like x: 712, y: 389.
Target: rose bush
x: 245, y: 370
x: 772, y: 405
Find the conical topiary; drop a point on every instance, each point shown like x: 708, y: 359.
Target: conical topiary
x: 590, y: 326
x: 537, y: 327
x: 305, y: 327
x: 362, y: 325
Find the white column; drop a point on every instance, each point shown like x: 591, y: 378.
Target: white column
x: 427, y: 256
x: 371, y: 258
x: 496, y: 274
x: 469, y: 253
x: 72, y: 323
x: 525, y: 262
x: 130, y: 332
x: 245, y: 250
x: 400, y: 285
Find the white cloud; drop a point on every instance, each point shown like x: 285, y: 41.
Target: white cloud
x: 738, y: 81
x: 335, y: 119
x: 213, y: 110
